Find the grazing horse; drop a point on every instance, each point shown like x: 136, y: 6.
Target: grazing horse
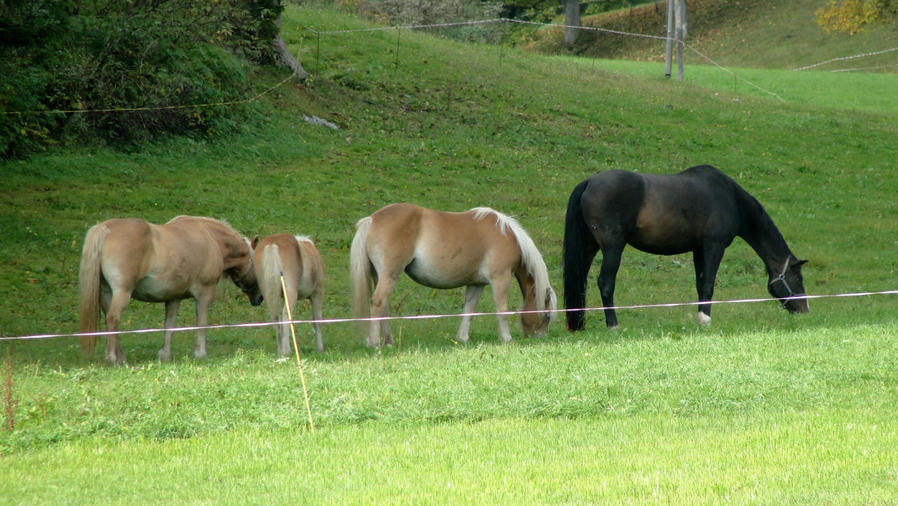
x: 447, y: 250
x: 699, y: 210
x: 130, y: 258
x: 298, y: 260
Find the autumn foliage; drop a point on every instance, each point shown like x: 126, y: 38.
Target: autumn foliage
x: 851, y: 16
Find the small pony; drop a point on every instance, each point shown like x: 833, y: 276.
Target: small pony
x: 131, y: 258
x: 699, y: 210
x: 447, y: 250
x: 299, y: 261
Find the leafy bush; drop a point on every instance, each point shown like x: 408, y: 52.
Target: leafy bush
x: 851, y: 16
x: 136, y: 66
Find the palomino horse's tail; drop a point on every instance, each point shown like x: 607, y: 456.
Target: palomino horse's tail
x: 530, y: 257
x: 360, y: 270
x: 270, y: 282
x: 89, y: 285
x: 576, y: 263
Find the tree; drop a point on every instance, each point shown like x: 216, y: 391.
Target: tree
x: 571, y: 20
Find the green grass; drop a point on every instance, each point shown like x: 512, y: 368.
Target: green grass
x: 763, y: 407
x: 853, y: 91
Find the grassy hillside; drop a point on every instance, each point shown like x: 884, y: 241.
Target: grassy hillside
x: 743, y: 33
x: 760, y: 407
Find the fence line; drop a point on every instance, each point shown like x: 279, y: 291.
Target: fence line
x: 157, y: 108
x: 552, y: 25
x: 439, y: 316
x: 874, y: 67
x: 844, y: 58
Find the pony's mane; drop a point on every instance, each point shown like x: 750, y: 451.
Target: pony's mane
x: 304, y: 238
x: 217, y: 221
x: 530, y: 255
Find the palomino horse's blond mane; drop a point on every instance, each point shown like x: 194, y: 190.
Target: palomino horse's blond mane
x: 530, y: 255
x: 223, y: 223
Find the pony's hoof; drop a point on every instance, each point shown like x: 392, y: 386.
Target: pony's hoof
x: 703, y: 319
x: 115, y: 360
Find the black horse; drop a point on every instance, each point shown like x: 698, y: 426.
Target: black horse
x: 699, y: 210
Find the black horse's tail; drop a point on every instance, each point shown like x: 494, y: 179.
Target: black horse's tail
x: 579, y: 250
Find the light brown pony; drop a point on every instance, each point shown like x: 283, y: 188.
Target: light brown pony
x: 447, y: 250
x: 130, y: 258
x: 299, y: 261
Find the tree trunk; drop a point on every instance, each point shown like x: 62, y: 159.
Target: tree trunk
x: 571, y: 19
x: 284, y: 57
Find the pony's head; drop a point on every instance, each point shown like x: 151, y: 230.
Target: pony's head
x: 244, y: 274
x: 787, y: 283
x: 536, y: 324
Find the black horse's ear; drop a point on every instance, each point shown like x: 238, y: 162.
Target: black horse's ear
x: 799, y: 263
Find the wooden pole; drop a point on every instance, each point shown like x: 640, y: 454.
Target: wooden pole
x: 668, y: 51
x: 296, y: 347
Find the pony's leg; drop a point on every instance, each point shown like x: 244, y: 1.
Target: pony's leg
x: 203, y: 302
x: 171, y: 320
x: 500, y: 284
x: 706, y: 262
x: 113, y: 304
x: 607, y: 275
x: 317, y: 300
x: 380, y: 307
x: 284, y: 335
x: 472, y: 295
x: 282, y: 332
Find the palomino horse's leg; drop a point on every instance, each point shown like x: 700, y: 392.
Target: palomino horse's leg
x: 380, y: 307
x: 171, y: 321
x: 472, y: 295
x: 114, y: 305
x: 203, y: 301
x: 610, y: 264
x: 283, y: 329
x: 282, y: 332
x: 500, y: 284
x: 317, y: 299
x: 706, y: 262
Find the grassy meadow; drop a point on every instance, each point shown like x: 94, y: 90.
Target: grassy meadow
x: 762, y: 407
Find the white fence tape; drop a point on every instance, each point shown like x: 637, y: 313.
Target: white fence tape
x: 435, y: 316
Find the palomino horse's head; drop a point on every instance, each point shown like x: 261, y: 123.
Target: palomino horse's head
x: 536, y: 324
x: 244, y: 276
x: 787, y: 283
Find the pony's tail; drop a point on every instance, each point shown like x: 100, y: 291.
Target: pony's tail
x: 360, y: 270
x: 576, y: 261
x: 89, y: 285
x: 270, y: 281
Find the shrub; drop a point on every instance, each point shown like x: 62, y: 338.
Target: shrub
x: 145, y: 60
x: 851, y: 16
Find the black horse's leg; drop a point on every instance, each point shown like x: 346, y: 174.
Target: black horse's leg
x: 706, y: 261
x: 610, y: 263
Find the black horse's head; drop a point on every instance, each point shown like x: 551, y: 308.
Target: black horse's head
x: 787, y: 285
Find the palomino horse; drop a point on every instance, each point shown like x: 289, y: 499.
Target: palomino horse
x: 130, y: 258
x: 300, y: 263
x: 699, y: 210
x: 447, y: 250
